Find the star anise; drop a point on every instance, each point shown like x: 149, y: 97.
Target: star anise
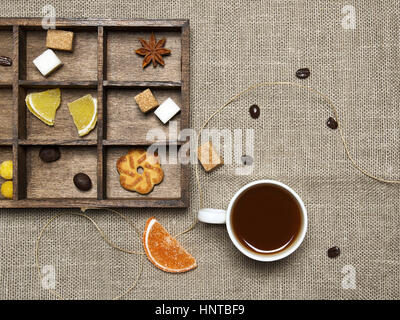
x: 153, y: 51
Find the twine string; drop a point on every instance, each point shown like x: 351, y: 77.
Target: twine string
x: 105, y: 238
x: 198, y: 182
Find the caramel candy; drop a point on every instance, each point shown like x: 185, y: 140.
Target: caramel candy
x: 146, y: 101
x: 59, y: 40
x: 208, y: 157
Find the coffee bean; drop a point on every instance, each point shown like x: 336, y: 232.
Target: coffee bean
x: 49, y: 153
x: 247, y: 160
x: 5, y: 61
x: 254, y: 111
x: 82, y: 181
x: 333, y: 252
x: 303, y: 73
x: 331, y: 123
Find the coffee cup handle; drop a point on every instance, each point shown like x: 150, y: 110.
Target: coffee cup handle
x: 212, y: 216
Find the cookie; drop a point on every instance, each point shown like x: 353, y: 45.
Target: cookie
x: 139, y: 171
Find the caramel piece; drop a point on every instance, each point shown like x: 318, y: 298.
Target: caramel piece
x: 146, y: 101
x: 208, y: 157
x: 59, y: 40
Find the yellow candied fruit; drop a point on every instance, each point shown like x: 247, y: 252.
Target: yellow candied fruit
x: 6, y: 170
x: 7, y: 189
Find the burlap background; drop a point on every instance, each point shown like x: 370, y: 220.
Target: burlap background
x: 235, y: 44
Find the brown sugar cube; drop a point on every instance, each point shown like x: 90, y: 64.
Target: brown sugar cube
x: 146, y: 101
x: 209, y: 158
x: 59, y: 40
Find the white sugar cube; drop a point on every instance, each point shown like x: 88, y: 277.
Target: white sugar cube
x: 167, y: 110
x: 47, y: 62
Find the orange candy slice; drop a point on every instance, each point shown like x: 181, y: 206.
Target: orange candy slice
x: 164, y: 251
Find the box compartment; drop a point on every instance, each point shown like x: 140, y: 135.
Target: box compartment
x: 55, y: 179
x: 5, y: 154
x: 169, y: 188
x: 126, y: 122
x: 6, y: 49
x: 79, y: 65
x: 64, y: 127
x: 6, y: 108
x: 121, y: 46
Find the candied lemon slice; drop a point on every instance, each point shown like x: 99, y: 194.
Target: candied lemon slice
x: 44, y: 104
x: 84, y: 113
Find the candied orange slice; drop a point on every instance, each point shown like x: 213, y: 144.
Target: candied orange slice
x: 164, y: 251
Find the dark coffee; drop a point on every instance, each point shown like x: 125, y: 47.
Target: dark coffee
x: 266, y: 218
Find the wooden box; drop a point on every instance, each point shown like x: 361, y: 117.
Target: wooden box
x: 104, y: 64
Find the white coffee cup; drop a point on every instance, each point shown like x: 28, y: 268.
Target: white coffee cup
x: 217, y: 216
